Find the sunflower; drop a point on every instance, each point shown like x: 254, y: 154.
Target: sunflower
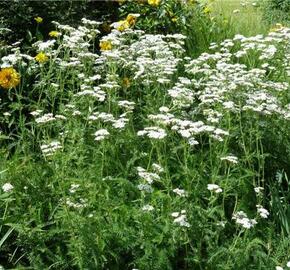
x: 9, y: 78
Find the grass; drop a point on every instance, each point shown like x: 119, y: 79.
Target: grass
x: 246, y: 18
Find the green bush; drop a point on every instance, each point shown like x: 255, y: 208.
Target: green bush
x: 277, y: 11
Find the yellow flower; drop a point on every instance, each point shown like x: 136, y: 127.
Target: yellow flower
x: 131, y: 19
x: 38, y: 19
x: 9, y: 78
x: 277, y: 27
x: 41, y: 57
x: 192, y: 2
x: 154, y: 3
x: 174, y: 19
x: 207, y: 10
x: 126, y: 82
x: 122, y: 25
x: 105, y: 45
x: 54, y: 34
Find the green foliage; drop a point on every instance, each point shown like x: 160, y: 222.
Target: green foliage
x: 277, y: 11
x: 92, y: 190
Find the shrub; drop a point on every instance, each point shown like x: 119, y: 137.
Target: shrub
x: 277, y: 11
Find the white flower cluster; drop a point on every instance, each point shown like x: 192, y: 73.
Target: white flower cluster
x: 151, y: 57
x: 264, y: 213
x: 180, y: 218
x: 180, y: 192
x: 101, y: 134
x: 74, y: 188
x: 147, y: 208
x: 153, y: 133
x: 82, y: 203
x: 149, y: 177
x: 221, y: 85
x: 242, y: 219
x: 46, y: 118
x: 51, y: 148
x: 95, y: 92
x: 231, y: 159
x: 7, y: 187
x: 214, y: 188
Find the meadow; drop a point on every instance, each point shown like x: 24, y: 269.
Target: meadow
x: 157, y: 141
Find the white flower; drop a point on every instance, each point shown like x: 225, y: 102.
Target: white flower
x: 180, y: 218
x: 230, y: 158
x: 73, y: 188
x: 51, y: 148
x: 180, y: 192
x: 147, y: 176
x: 153, y: 133
x: 279, y: 268
x: 156, y: 167
x: 264, y: 213
x: 145, y: 187
x: 215, y: 188
x: 288, y: 264
x: 241, y: 218
x: 259, y: 190
x: 147, y: 208
x: 7, y: 187
x: 101, y: 134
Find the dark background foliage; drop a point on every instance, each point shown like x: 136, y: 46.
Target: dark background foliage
x: 19, y: 15
x: 277, y: 11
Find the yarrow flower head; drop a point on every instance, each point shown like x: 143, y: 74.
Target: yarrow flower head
x: 180, y: 218
x: 241, y: 218
x: 215, y: 188
x: 41, y: 57
x: 149, y: 177
x: 231, y: 159
x: 180, y: 192
x: 259, y: 190
x: 264, y: 213
x: 153, y: 133
x: 50, y: 148
x: 147, y: 208
x: 7, y: 187
x: 9, y: 78
x: 101, y: 134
